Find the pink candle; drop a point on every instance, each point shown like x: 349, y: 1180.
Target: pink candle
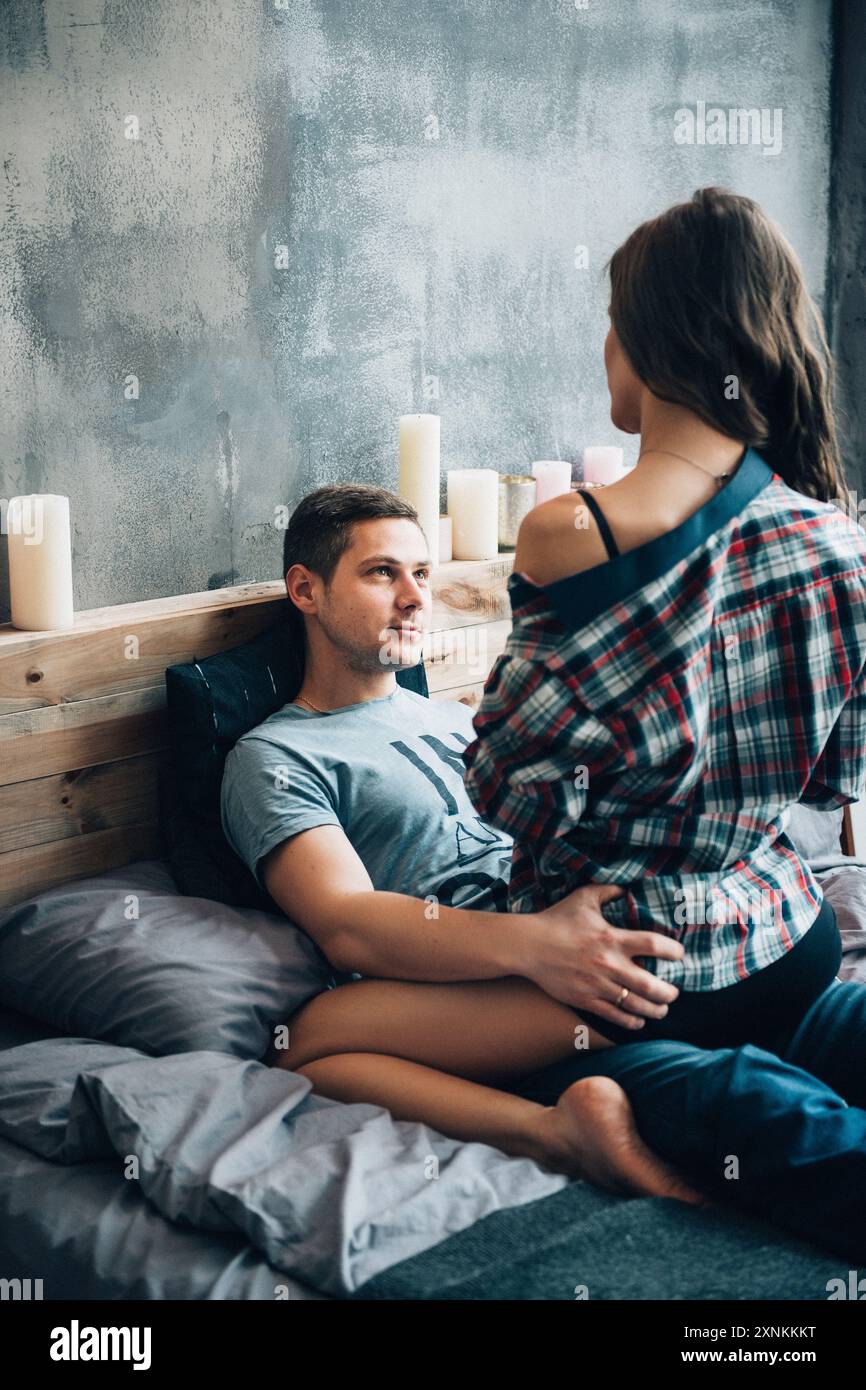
x: 602, y: 463
x: 552, y: 477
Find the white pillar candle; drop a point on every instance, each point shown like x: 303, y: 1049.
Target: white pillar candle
x: 552, y: 477
x: 40, y: 562
x: 602, y: 463
x: 473, y: 506
x: 419, y: 473
x: 446, y: 548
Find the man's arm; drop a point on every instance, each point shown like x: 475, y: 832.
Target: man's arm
x: 569, y: 950
x: 319, y: 881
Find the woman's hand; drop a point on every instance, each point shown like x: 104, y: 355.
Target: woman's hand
x: 574, y: 954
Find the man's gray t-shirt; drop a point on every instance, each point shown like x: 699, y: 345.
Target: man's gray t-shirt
x: 389, y: 772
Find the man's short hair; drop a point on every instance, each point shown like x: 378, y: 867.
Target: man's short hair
x: 320, y: 528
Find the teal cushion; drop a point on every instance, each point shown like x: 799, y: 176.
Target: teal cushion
x: 211, y: 704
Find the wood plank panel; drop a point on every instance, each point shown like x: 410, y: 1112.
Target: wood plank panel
x: 61, y: 738
x: 464, y: 655
x: 466, y: 694
x: 129, y: 656
x: 471, y: 591
x: 24, y: 872
x: 81, y: 801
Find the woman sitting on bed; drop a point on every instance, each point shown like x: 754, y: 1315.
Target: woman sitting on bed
x: 688, y: 651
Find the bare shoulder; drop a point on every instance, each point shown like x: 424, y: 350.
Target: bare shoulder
x: 558, y: 538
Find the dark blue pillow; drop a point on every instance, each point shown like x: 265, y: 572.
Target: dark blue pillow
x: 211, y: 704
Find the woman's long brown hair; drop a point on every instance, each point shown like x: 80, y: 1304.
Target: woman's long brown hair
x: 710, y: 305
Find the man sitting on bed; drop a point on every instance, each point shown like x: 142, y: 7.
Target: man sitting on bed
x: 349, y: 808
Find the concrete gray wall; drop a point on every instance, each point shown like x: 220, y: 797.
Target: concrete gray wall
x: 431, y: 167
x: 846, y: 280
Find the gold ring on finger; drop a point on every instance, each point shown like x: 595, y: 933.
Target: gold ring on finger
x: 622, y: 997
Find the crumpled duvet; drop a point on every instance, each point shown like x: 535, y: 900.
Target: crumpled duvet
x: 331, y: 1193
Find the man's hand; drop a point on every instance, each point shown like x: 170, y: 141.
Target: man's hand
x: 576, y: 956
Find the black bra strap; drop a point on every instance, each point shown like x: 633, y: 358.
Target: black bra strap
x: 606, y: 534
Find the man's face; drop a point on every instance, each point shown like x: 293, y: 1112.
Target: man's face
x: 379, y: 604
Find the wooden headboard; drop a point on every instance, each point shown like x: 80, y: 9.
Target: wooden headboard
x: 83, y: 736
x: 83, y: 733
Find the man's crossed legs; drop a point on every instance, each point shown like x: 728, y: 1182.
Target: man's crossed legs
x: 780, y: 1131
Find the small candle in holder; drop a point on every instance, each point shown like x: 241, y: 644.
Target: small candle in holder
x: 602, y: 463
x: 419, y: 473
x: 40, y: 562
x: 516, y: 498
x: 445, y: 546
x: 473, y: 506
x: 552, y: 477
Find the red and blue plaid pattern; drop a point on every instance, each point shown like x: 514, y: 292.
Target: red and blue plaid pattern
x: 653, y: 719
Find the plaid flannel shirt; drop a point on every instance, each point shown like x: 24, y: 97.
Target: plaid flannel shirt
x: 653, y: 719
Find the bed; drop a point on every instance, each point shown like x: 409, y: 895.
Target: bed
x: 145, y: 1150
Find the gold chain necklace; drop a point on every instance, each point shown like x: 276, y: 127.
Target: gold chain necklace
x: 312, y: 706
x: 719, y: 477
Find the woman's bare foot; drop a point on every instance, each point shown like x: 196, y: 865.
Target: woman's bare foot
x: 591, y: 1133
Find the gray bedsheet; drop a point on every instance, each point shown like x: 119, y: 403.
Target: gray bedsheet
x: 269, y: 1190
x: 88, y: 1235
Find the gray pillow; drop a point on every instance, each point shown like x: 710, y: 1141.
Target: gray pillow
x: 125, y: 958
x: 815, y: 834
